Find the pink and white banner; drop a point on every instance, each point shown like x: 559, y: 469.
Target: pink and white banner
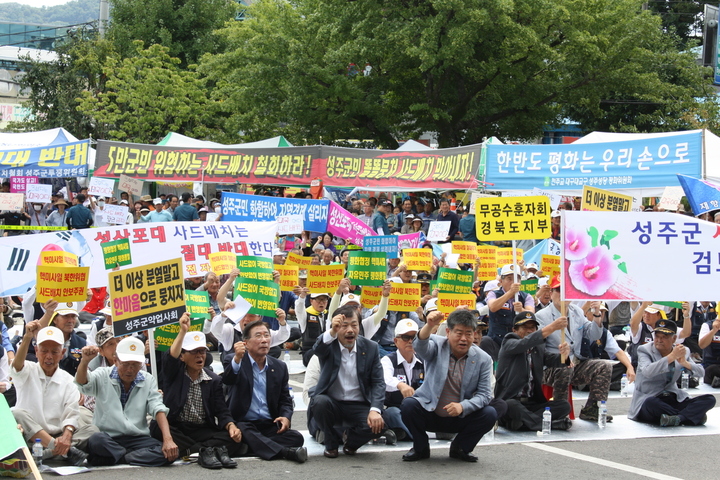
x: 343, y: 224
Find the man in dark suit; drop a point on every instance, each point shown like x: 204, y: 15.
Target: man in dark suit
x: 351, y: 388
x: 259, y: 398
x: 195, y: 398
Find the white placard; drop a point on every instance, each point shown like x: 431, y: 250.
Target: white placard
x: 38, y: 193
x: 242, y: 307
x: 438, y: 231
x: 12, y: 201
x: 130, y: 185
x: 101, y: 187
x: 115, y: 214
x: 290, y: 224
x: 554, y: 197
x: 671, y: 198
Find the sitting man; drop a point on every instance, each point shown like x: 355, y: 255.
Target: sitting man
x: 404, y: 374
x: 199, y: 418
x: 124, y: 395
x: 65, y: 318
x: 47, y: 399
x: 259, y: 398
x: 351, y: 389
x: 579, y: 334
x: 657, y: 398
x: 456, y: 393
x: 311, y: 320
x: 519, y: 375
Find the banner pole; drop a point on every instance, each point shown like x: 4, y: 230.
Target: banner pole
x: 515, y: 275
x: 153, y: 360
x: 31, y: 462
x: 563, y: 307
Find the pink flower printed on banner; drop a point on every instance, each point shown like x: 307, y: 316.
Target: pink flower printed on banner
x: 595, y: 273
x: 577, y: 245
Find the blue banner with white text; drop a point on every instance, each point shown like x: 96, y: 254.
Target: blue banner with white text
x: 52, y: 161
x: 240, y: 207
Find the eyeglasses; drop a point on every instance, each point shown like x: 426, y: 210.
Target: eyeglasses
x: 407, y: 338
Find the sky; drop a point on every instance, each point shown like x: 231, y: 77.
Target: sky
x: 37, y: 3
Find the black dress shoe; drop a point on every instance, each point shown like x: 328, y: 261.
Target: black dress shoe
x: 331, y: 452
x: 349, y: 451
x: 222, y: 455
x: 456, y: 452
x: 413, y: 456
x: 207, y: 458
x: 298, y: 454
x: 76, y: 457
x: 390, y: 437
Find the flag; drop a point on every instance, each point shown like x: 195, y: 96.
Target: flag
x: 11, y: 439
x: 702, y: 195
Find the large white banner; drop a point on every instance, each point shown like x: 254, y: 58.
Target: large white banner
x: 639, y: 256
x: 149, y: 243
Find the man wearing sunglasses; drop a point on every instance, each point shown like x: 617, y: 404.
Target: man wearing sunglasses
x: 404, y: 373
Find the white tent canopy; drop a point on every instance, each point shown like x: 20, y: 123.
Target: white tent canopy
x: 173, y: 139
x: 42, y: 138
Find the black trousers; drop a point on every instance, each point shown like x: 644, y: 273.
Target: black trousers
x: 691, y: 411
x: 528, y: 416
x: 711, y: 371
x: 330, y: 413
x: 190, y: 437
x: 142, y: 450
x: 262, y: 438
x: 469, y: 428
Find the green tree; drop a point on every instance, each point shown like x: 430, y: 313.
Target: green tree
x: 184, y: 26
x: 466, y: 69
x: 148, y: 95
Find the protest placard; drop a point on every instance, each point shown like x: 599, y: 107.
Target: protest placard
x: 19, y: 184
x: 438, y: 231
x: 550, y: 265
x: 324, y: 278
x: 488, y: 262
x: 552, y: 196
x: 289, y: 277
x: 115, y: 214
x: 418, y: 259
x: 130, y: 185
x: 255, y: 268
x: 290, y: 224
x: 63, y: 284
x: 449, y: 302
x: 146, y: 297
x: 13, y: 202
x: 454, y: 281
x: 166, y: 335
x: 371, y: 296
x: 512, y: 218
x: 263, y: 295
x: 343, y: 224
x: 599, y: 200
x: 11, y: 439
x: 505, y: 256
x: 671, y: 198
x: 299, y: 260
x: 101, y: 187
x: 404, y: 297
x: 57, y: 258
x: 529, y: 286
x: 116, y: 253
x: 38, y: 193
x: 467, y: 251
x: 367, y: 268
x: 222, y: 263
x: 197, y: 304
x: 382, y: 243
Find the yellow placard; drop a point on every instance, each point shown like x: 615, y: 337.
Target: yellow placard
x: 371, y: 296
x: 324, y: 278
x: 59, y: 259
x: 289, y: 277
x: 418, y: 258
x: 449, y: 302
x: 299, y: 260
x: 599, y: 200
x: 550, y: 265
x: 404, y: 297
x: 63, y: 284
x: 488, y: 262
x: 512, y: 218
x: 505, y: 256
x: 467, y: 251
x: 146, y: 297
x: 222, y: 262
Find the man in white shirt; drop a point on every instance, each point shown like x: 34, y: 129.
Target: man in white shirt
x: 47, y: 399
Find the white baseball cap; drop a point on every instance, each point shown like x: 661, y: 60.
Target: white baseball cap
x: 193, y: 341
x: 316, y: 295
x: 405, y: 326
x: 350, y: 298
x: 51, y: 334
x: 69, y: 308
x: 130, y: 349
x: 532, y: 265
x: 431, y: 305
x: 157, y: 201
x: 491, y: 285
x: 508, y: 269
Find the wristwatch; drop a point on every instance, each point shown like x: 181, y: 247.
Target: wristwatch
x: 71, y: 428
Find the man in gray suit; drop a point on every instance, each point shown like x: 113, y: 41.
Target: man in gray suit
x: 657, y: 399
x: 455, y: 395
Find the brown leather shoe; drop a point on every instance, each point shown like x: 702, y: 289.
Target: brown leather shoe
x: 331, y: 452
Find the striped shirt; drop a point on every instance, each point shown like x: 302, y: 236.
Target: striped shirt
x: 453, y: 384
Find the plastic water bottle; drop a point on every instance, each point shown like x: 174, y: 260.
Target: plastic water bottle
x: 623, y: 386
x: 286, y: 359
x: 602, y: 415
x: 685, y: 382
x: 37, y: 453
x: 292, y: 396
x: 547, y: 421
